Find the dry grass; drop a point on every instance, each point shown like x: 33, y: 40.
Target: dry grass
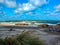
x: 25, y: 38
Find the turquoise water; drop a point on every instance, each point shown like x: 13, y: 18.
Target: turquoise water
x: 42, y: 21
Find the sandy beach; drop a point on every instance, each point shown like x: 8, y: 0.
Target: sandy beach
x: 50, y: 39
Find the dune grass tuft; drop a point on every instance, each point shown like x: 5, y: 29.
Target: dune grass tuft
x: 25, y: 38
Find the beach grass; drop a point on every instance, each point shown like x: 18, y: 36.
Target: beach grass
x: 25, y: 38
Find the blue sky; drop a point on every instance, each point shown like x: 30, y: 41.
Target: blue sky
x: 29, y: 10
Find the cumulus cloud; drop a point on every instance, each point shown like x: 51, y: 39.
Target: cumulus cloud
x: 38, y: 2
x: 25, y: 7
x: 55, y: 12
x: 1, y: 1
x: 31, y: 5
x: 10, y: 4
x: 57, y: 8
x: 28, y: 6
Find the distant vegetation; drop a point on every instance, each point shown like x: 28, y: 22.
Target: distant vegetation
x: 25, y: 38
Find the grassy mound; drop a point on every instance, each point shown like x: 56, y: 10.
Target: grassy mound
x: 25, y: 38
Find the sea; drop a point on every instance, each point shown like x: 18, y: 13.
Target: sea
x: 32, y: 21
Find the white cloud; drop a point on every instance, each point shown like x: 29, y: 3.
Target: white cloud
x: 24, y: 8
x: 28, y: 6
x: 47, y: 12
x: 54, y: 13
x: 30, y: 13
x: 10, y: 4
x: 38, y: 2
x: 31, y: 5
x: 1, y: 1
x: 57, y: 8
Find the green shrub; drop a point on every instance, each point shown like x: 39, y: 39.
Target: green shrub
x: 26, y: 38
x: 1, y: 41
x: 11, y: 41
